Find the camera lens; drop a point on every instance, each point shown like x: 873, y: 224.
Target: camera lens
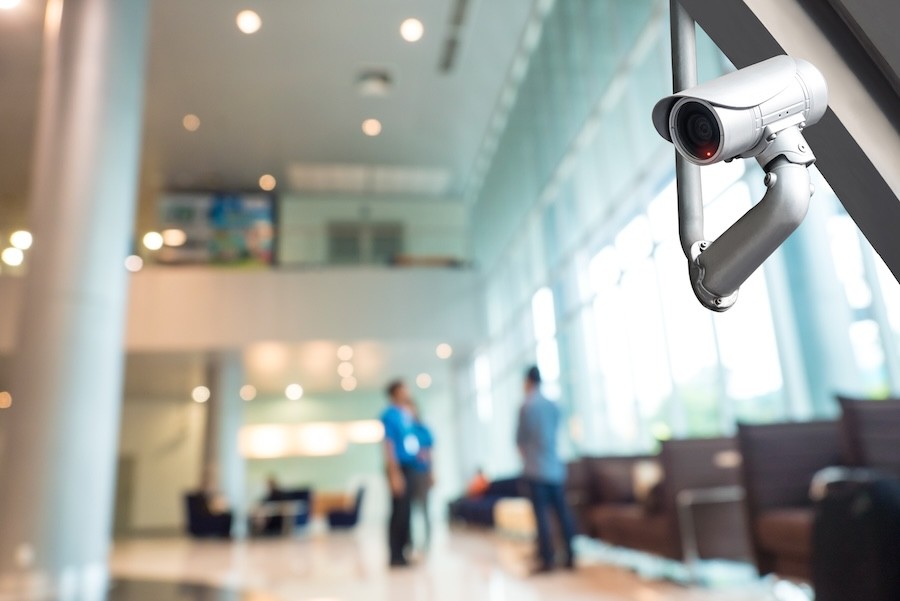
x: 698, y: 130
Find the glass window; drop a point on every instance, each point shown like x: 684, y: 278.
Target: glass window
x: 484, y: 401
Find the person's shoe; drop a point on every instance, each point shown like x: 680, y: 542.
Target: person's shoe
x: 542, y: 569
x: 399, y: 562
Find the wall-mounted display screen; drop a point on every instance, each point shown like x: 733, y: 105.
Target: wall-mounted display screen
x: 211, y: 228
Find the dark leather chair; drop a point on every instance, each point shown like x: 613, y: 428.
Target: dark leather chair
x: 600, y: 482
x: 347, y: 518
x: 779, y: 462
x: 717, y: 526
x: 201, y: 522
x: 304, y: 496
x: 871, y: 434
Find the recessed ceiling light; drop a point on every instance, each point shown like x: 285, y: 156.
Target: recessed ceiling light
x: 423, y: 381
x: 9, y: 4
x: 248, y: 392
x: 444, y: 351
x: 248, y: 21
x: 349, y: 384
x: 191, y: 122
x: 371, y: 127
x: 345, y: 353
x: 134, y: 263
x: 268, y: 182
x: 345, y: 369
x: 412, y: 30
x: 294, y: 392
x: 174, y: 237
x: 12, y: 256
x: 21, y: 239
x: 200, y: 394
x: 153, y: 240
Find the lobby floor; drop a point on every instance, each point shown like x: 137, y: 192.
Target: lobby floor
x: 462, y: 566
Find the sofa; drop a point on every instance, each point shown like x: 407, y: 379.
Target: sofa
x: 779, y: 462
x: 480, y: 510
x: 594, y: 482
x: 349, y: 516
x: 870, y: 434
x: 690, y: 468
x: 202, y: 522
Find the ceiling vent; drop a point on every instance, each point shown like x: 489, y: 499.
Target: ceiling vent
x: 378, y: 180
x: 374, y: 83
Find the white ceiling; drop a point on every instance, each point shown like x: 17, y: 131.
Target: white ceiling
x: 286, y: 101
x: 286, y: 98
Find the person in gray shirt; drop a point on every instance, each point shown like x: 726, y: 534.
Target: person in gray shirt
x: 544, y: 471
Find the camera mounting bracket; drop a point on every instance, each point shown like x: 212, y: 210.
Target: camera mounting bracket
x: 718, y: 268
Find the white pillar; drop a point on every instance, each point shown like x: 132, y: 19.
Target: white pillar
x: 222, y: 460
x: 57, y: 475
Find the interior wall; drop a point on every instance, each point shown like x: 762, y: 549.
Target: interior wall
x: 360, y: 465
x: 431, y: 227
x: 165, y: 440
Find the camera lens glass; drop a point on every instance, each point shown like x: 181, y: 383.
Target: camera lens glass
x: 698, y: 130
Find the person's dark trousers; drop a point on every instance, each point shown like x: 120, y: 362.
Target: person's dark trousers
x: 399, y: 532
x: 547, y: 497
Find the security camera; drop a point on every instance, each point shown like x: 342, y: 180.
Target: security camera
x: 757, y: 112
x: 740, y: 114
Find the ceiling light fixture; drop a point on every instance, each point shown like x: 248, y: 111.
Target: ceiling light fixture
x: 5, y: 400
x: 174, y: 237
x: 12, y: 256
x: 294, y: 392
x: 345, y: 353
x: 371, y: 127
x: 412, y: 30
x: 248, y: 21
x: 153, y: 240
x: 200, y: 394
x: 191, y: 122
x: 268, y: 182
x: 423, y: 381
x: 134, y: 263
x: 349, y: 384
x: 21, y: 239
x: 444, y: 351
x: 248, y: 392
x: 9, y: 4
x: 345, y: 369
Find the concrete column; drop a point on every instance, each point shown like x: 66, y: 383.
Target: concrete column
x: 223, y: 465
x: 57, y: 475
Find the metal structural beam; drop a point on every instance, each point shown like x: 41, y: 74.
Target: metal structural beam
x: 856, y: 142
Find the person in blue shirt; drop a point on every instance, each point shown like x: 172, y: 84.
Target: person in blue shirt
x: 401, y: 451
x: 544, y: 471
x: 423, y: 476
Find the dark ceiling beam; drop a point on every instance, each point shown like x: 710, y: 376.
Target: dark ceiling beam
x: 862, y: 189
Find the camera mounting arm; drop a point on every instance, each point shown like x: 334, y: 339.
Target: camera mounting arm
x: 718, y: 268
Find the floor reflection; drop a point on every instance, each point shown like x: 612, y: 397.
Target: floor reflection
x: 129, y: 590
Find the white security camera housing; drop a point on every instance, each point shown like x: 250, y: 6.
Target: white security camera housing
x: 741, y: 113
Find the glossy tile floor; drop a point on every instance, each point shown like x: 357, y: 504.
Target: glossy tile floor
x: 461, y: 566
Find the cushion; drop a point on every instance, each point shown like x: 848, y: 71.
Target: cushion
x: 515, y: 516
x: 786, y: 531
x: 871, y: 432
x: 628, y: 525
